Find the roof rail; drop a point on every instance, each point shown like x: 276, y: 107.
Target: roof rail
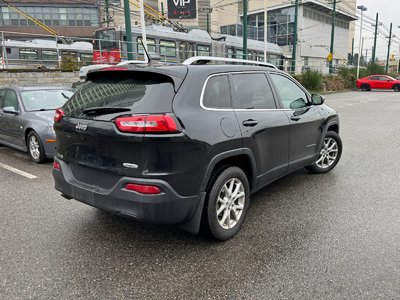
x: 202, y: 60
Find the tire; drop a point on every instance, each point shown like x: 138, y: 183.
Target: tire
x: 365, y: 87
x: 396, y: 88
x: 329, y: 155
x: 35, y: 148
x: 223, y: 197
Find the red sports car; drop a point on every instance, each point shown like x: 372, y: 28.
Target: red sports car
x: 378, y: 82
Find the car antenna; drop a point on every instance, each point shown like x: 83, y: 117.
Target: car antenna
x: 148, y: 60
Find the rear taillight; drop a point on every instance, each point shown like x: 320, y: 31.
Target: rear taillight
x: 58, y: 115
x: 56, y: 166
x: 143, y: 189
x: 114, y: 69
x: 149, y: 123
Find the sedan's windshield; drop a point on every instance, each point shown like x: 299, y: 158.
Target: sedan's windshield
x: 45, y: 99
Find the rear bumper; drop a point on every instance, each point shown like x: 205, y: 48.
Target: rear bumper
x: 168, y: 207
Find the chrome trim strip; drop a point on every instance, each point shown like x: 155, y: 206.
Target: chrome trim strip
x: 234, y: 109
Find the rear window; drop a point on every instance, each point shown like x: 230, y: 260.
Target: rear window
x: 142, y: 92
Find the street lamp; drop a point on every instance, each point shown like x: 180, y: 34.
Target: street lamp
x: 362, y: 8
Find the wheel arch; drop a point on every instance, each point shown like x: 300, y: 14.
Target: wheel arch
x: 28, y: 130
x: 242, y: 158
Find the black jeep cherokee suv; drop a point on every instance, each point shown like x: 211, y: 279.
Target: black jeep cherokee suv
x: 188, y: 144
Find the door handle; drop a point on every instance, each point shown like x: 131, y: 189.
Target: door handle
x: 294, y: 118
x: 250, y: 123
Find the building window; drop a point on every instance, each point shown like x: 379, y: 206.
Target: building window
x: 51, y: 16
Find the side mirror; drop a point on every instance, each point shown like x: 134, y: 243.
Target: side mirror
x: 10, y: 110
x: 298, y: 103
x: 317, y: 99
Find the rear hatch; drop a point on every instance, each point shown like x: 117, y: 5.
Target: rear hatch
x: 101, y: 129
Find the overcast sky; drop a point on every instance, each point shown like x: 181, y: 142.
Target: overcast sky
x: 389, y: 11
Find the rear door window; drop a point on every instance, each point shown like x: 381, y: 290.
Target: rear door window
x: 252, y: 91
x: 142, y: 92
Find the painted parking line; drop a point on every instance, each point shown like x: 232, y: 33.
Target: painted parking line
x: 16, y: 171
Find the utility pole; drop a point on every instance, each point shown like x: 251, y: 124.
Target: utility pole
x: 143, y: 23
x: 245, y: 4
x: 208, y: 22
x: 106, y: 12
x: 376, y: 34
x: 296, y: 12
x: 332, y: 37
x: 128, y: 29
x: 208, y: 11
x: 352, y: 51
x: 388, y: 54
x: 265, y: 31
x: 362, y: 8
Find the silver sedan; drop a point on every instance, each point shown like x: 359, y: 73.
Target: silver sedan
x: 26, y: 118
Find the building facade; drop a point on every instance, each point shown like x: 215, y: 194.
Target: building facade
x: 75, y: 18
x: 314, y: 33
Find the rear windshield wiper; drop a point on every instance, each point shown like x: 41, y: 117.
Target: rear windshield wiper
x: 104, y: 110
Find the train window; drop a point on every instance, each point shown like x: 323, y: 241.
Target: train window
x: 168, y: 48
x: 86, y: 57
x: 8, y: 50
x: 69, y: 56
x: 203, y: 50
x: 239, y: 54
x: 230, y: 53
x: 151, y: 45
x: 185, y: 50
x: 26, y: 53
x: 49, y: 55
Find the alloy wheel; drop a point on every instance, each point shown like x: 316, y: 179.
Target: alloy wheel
x: 34, y: 147
x: 328, y: 154
x: 230, y: 203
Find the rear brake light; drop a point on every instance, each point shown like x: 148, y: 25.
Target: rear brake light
x: 58, y: 115
x: 56, y: 166
x: 149, y: 123
x: 143, y: 189
x: 114, y: 69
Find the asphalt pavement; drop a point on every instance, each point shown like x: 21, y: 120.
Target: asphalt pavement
x: 331, y: 236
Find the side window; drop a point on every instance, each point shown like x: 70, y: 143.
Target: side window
x: 252, y: 92
x: 217, y: 93
x: 11, y: 100
x: 374, y: 78
x: 292, y: 96
x: 2, y: 96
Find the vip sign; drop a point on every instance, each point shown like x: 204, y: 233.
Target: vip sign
x: 185, y: 9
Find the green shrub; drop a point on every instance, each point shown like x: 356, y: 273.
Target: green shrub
x: 312, y: 80
x: 69, y: 64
